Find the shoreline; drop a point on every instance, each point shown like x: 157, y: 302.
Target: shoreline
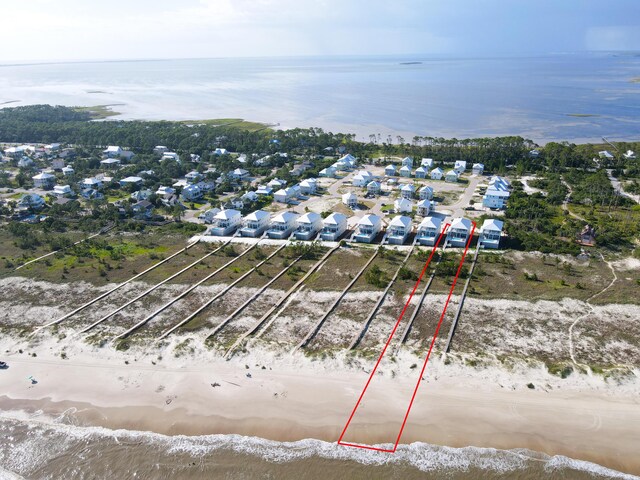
x: 577, y: 423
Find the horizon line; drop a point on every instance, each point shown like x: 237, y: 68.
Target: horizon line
x: 458, y: 56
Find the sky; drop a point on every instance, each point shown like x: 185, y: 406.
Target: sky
x: 61, y: 30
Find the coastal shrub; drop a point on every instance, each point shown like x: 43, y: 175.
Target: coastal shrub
x: 407, y: 274
x: 376, y: 277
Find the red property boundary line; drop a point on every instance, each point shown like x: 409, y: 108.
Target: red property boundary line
x: 426, y: 360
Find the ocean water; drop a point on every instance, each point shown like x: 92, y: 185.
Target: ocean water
x: 536, y: 97
x: 32, y: 447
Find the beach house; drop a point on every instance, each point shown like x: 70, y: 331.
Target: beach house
x: 264, y: 190
x: 307, y: 226
x: 451, y: 176
x: 225, y: 222
x: 277, y: 184
x: 112, y: 151
x: 191, y: 193
x: 347, y: 162
x: 362, y: 178
x: 44, y: 180
x: 390, y: 170
x: 606, y: 154
x: 282, y: 225
x: 333, y: 227
x: 160, y: 149
x: 285, y: 195
x: 249, y: 196
x: 173, y: 156
x: 403, y: 205
x: 459, y: 232
x: 308, y: 186
x: 91, y: 183
x: 255, y: 224
x: 423, y: 208
x: 193, y: 176
x: 407, y: 191
x: 405, y: 171
x: 427, y: 163
x: 350, y: 199
x: 373, y: 188
x: 62, y: 191
x: 499, y: 183
x: 368, y: 228
x: 437, y: 174
x: 495, y: 199
x: 328, y: 172
x: 68, y: 171
x: 421, y: 172
x: 630, y: 155
x: 429, y: 231
x: 478, y: 168
x: 407, y: 162
x: 490, y: 233
x: 30, y: 201
x: 128, y: 181
x: 460, y: 166
x: 239, y: 174
x: 165, y: 192
x: 208, y: 215
x: 399, y: 229
x: 110, y: 163
x: 425, y: 193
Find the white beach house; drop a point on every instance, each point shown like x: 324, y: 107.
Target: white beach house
x: 308, y: 186
x: 350, y: 199
x: 328, y: 172
x: 173, y: 156
x: 368, y: 228
x: 451, y: 176
x: 68, y: 171
x: 333, y: 226
x: 423, y: 208
x: 459, y: 232
x: 208, y: 215
x: 437, y: 174
x: 407, y: 162
x: 495, y: 199
x: 407, y: 191
x: 421, y: 172
x: 429, y: 231
x: 225, y: 222
x: 112, y: 151
x: 282, y: 225
x: 285, y: 195
x: 62, y: 191
x: 478, y: 168
x: 374, y: 188
x: 255, y: 224
x: 405, y: 171
x: 425, y: 193
x: 427, y: 163
x: 277, y: 184
x: 399, y: 230
x: 403, y: 205
x: 191, y: 193
x: 264, y: 190
x: 91, y: 183
x: 490, y: 233
x: 362, y: 178
x: 308, y: 225
x: 460, y: 166
x: 44, y: 180
x: 390, y: 170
